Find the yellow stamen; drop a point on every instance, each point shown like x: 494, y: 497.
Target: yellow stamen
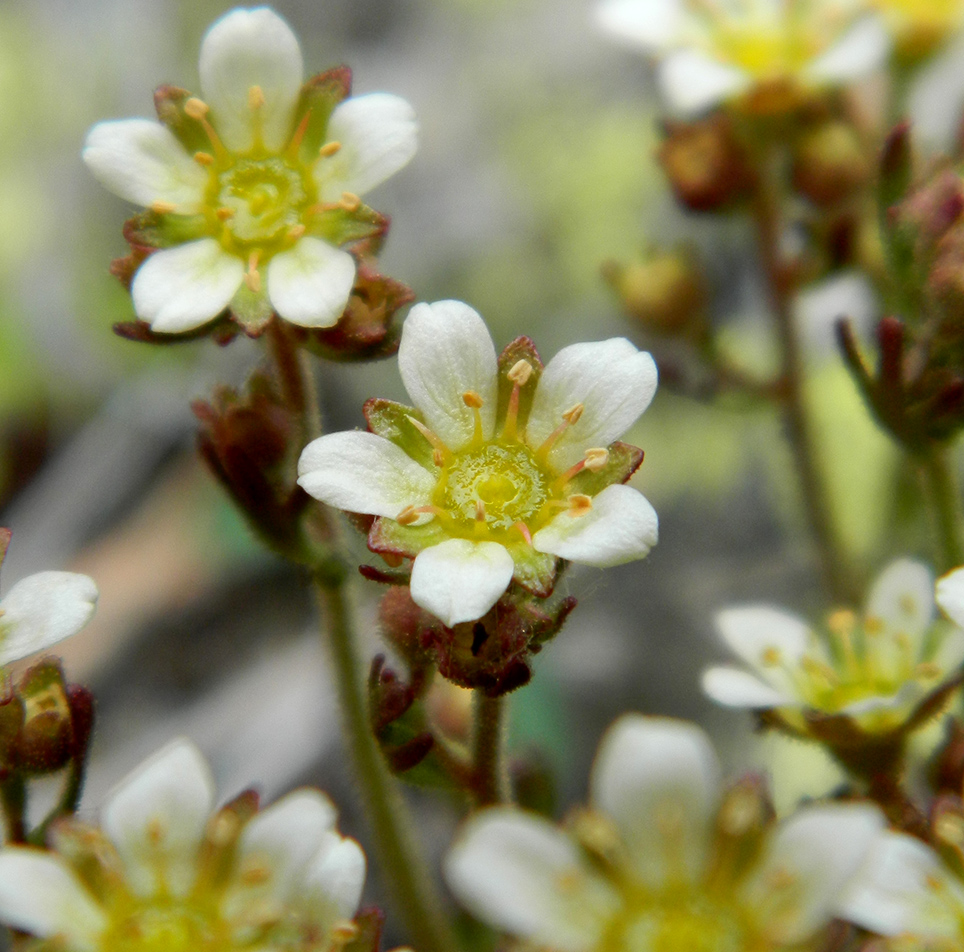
x: 524, y: 529
x: 295, y: 144
x: 596, y: 459
x: 254, y: 872
x: 204, y: 158
x: 438, y: 457
x: 579, y: 505
x: 225, y: 214
x: 350, y: 201
x: 196, y: 108
x: 520, y: 373
x: 928, y: 670
x: 474, y: 402
x: 842, y: 623
x: 255, y: 98
x: 407, y: 516
x: 295, y: 232
x: 163, y: 208
x: 252, y: 277
x: 436, y: 442
x: 571, y: 416
x: 341, y: 934
x: 471, y: 399
x: 155, y: 831
x: 329, y: 149
x: 392, y: 559
x: 771, y: 657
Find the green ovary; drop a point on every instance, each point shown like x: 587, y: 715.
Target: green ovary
x: 503, y: 482
x: 163, y: 928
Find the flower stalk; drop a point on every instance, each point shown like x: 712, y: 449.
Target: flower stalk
x: 943, y: 497
x: 491, y: 775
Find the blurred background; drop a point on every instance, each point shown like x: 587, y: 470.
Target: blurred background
x: 537, y: 164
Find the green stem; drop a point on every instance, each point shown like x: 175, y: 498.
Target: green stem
x: 799, y: 430
x: 13, y: 802
x: 943, y: 496
x: 488, y: 751
x: 404, y: 869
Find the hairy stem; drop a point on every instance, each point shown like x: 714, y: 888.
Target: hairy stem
x: 943, y: 497
x: 404, y: 868
x: 488, y: 751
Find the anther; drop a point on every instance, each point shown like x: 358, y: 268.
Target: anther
x: 196, y: 108
x: 254, y: 872
x: 771, y: 657
x: 204, y: 158
x: 407, y: 516
x: 163, y: 208
x: 573, y: 414
x: 295, y: 232
x: 155, y: 831
x: 350, y: 201
x: 329, y: 149
x: 342, y: 933
x: 225, y: 213
x: 596, y: 459
x: 908, y: 604
x: 928, y: 670
x: 392, y: 559
x: 474, y: 402
x: 520, y: 372
x: 224, y: 829
x: 252, y: 277
x: 255, y: 98
x: 579, y: 505
x: 471, y: 399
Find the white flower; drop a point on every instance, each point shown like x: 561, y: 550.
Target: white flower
x: 167, y: 872
x: 41, y: 610
x: 252, y: 187
x: 906, y: 890
x: 503, y: 466
x: 762, y: 53
x: 663, y: 860
x: 876, y: 669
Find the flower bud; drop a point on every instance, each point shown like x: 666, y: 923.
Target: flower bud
x: 48, y: 739
x: 830, y: 163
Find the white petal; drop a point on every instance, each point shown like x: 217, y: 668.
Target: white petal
x: 692, y: 82
x: 736, y: 688
x: 815, y: 854
x: 518, y: 872
x: 659, y: 779
x: 950, y: 596
x: 949, y: 653
x: 458, y: 580
x: 861, y: 49
x: 310, y: 284
x: 652, y: 25
x: 180, y: 288
x: 902, y: 598
x: 893, y: 894
x: 41, y: 895
x: 362, y: 472
x: 156, y: 818
x: 142, y: 161
x: 445, y: 352
x: 248, y: 48
x: 284, y: 838
x: 334, y: 879
x: 620, y: 527
x: 378, y: 136
x: 43, y: 609
x: 612, y: 380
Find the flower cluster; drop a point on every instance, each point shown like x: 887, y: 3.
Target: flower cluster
x: 502, y: 467
x: 875, y: 670
x: 166, y: 872
x: 664, y: 858
x: 253, y: 188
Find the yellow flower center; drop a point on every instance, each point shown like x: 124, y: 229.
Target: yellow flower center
x: 174, y: 927
x: 266, y: 198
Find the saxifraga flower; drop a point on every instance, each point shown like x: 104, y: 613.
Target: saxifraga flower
x: 165, y: 872
x: 252, y: 188
x: 503, y: 466
x: 663, y: 859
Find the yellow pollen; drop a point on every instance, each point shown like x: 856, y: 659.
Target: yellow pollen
x: 295, y: 232
x: 196, y: 108
x: 342, y: 933
x: 569, y: 881
x: 596, y: 459
x: 225, y: 214
x: 255, y: 873
x: 873, y: 625
x: 255, y: 98
x: 252, y: 277
x: 741, y: 811
x: 329, y: 149
x: 842, y: 621
x: 933, y: 883
x: 579, y: 505
x: 520, y: 373
x: 771, y: 657
x: 224, y: 830
x: 350, y: 201
x: 573, y: 414
x: 203, y: 158
x: 392, y: 559
x: 407, y: 516
x: 163, y: 208
x: 471, y: 399
x: 928, y: 669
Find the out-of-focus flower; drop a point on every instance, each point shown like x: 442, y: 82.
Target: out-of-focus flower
x: 165, y: 872
x: 663, y: 858
x: 875, y: 670
x: 763, y: 55
x: 920, y: 27
x: 253, y: 188
x: 503, y: 467
x: 906, y: 891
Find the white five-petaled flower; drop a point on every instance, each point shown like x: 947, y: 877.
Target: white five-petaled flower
x: 166, y: 872
x: 41, y: 610
x: 876, y: 669
x: 906, y: 891
x: 252, y: 187
x: 762, y: 54
x: 502, y: 467
x: 664, y: 859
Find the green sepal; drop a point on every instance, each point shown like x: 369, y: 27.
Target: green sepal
x: 151, y: 230
x: 534, y: 571
x: 169, y: 103
x: 319, y: 96
x: 251, y: 309
x: 386, y: 535
x: 393, y: 422
x: 522, y: 348
x: 338, y: 226
x: 624, y: 460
